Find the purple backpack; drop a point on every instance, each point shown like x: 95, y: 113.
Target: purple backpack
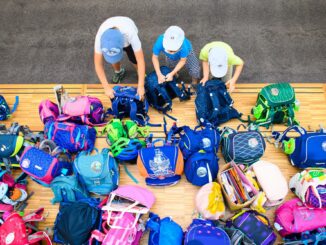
x: 48, y: 111
x: 204, y: 232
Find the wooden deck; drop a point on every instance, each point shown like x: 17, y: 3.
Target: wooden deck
x: 176, y: 201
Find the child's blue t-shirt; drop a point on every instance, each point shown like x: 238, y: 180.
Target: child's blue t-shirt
x: 183, y: 52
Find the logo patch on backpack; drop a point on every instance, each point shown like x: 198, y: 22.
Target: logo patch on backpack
x: 253, y: 142
x: 96, y: 166
x: 324, y: 145
x: 206, y: 142
x: 25, y: 163
x: 201, y: 172
x: 275, y: 91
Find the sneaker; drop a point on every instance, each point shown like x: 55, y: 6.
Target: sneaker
x: 61, y: 96
x: 117, y: 78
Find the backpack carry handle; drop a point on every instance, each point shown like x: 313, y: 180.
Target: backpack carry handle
x: 241, y: 125
x: 156, y: 141
x: 280, y: 137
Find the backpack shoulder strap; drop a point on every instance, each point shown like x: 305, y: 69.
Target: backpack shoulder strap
x: 39, y: 236
x: 14, y: 108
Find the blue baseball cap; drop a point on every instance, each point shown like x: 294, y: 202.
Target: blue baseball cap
x: 112, y: 45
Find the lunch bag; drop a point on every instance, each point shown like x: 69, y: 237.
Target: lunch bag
x: 204, y: 232
x: 276, y: 103
x: 307, y: 150
x: 70, y: 136
x: 214, y: 104
x: 5, y: 112
x: 244, y: 147
x: 255, y: 225
x: 160, y: 165
x: 99, y: 173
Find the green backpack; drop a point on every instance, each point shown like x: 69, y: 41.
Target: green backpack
x: 276, y: 104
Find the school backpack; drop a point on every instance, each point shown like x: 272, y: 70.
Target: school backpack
x: 310, y: 186
x: 214, y: 104
x: 255, y: 225
x: 126, y: 103
x: 160, y: 96
x: 5, y: 111
x: 18, y: 230
x: 76, y: 220
x: 205, y: 232
x: 48, y: 111
x: 307, y: 150
x: 98, y: 173
x: 316, y: 237
x: 70, y: 136
x: 293, y: 217
x: 45, y: 163
x: 163, y: 231
x: 67, y: 189
x: 276, y: 103
x: 243, y: 147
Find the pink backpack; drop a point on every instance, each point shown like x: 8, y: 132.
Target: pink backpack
x: 294, y: 217
x: 48, y: 111
x: 122, y: 225
x: 14, y: 230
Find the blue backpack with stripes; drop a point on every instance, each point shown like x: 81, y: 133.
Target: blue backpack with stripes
x: 5, y: 111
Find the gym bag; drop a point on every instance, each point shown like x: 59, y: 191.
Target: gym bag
x: 163, y: 231
x: 75, y: 221
x: 310, y: 187
x: 293, y: 217
x: 307, y: 150
x: 244, y: 147
x: 160, y: 165
x: 99, y: 173
x: 276, y: 103
x: 160, y: 96
x: 17, y: 230
x: 214, y: 104
x: 44, y: 166
x: 126, y: 103
x: 5, y: 111
x: 67, y: 189
x: 70, y: 136
x: 255, y: 225
x: 204, y: 232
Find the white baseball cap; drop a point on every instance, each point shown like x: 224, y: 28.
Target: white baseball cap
x: 218, y: 61
x: 173, y: 38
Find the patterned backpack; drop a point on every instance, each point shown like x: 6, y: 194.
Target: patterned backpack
x: 276, y: 103
x: 5, y: 111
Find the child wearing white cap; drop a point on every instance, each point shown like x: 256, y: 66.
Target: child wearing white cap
x: 218, y: 59
x: 117, y: 35
x: 179, y: 53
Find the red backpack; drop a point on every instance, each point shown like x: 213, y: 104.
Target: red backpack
x: 17, y: 230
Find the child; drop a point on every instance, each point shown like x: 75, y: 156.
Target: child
x: 115, y: 35
x: 179, y: 53
x: 219, y: 59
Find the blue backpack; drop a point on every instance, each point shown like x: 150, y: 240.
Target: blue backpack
x: 307, y: 150
x: 98, y: 173
x: 126, y: 103
x: 5, y: 111
x: 204, y: 232
x: 163, y: 231
x: 160, y: 96
x: 214, y: 104
x: 67, y: 189
x: 70, y: 136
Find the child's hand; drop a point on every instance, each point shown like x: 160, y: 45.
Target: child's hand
x: 161, y: 78
x: 231, y: 84
x: 109, y: 92
x: 203, y: 81
x: 169, y: 77
x: 141, y: 92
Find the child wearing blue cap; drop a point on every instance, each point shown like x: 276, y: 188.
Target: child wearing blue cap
x: 115, y: 35
x: 179, y: 53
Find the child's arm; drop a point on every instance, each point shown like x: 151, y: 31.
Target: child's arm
x: 234, y: 79
x: 205, y: 72
x: 141, y: 72
x: 156, y: 64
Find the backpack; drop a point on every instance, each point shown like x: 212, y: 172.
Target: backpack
x: 160, y: 165
x: 316, y: 237
x: 307, y: 150
x: 17, y: 230
x: 204, y: 232
x: 160, y: 96
x: 244, y: 147
x: 276, y: 103
x: 67, y: 189
x: 44, y: 166
x: 98, y: 173
x: 293, y: 217
x: 48, y: 111
x: 255, y: 225
x: 201, y: 168
x: 126, y: 103
x: 214, y: 104
x: 163, y: 231
x: 76, y: 220
x: 70, y: 136
x: 5, y: 111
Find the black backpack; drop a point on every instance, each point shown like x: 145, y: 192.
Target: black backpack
x: 214, y: 104
x: 160, y: 96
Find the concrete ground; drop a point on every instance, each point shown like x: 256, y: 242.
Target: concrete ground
x: 51, y: 41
